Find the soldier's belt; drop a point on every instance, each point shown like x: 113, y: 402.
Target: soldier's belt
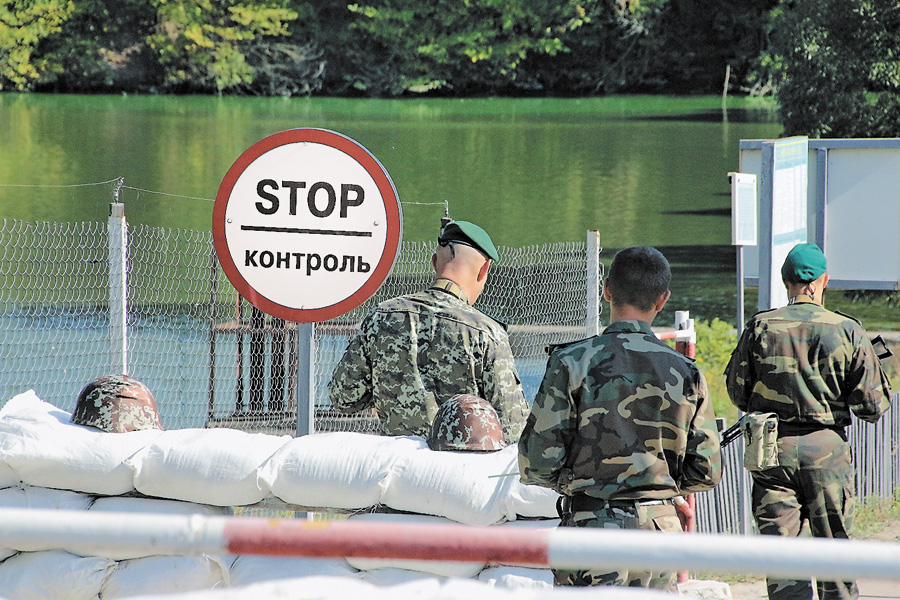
x: 791, y: 429
x: 583, y: 502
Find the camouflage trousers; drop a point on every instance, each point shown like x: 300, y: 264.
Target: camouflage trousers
x: 654, y: 518
x: 813, y: 485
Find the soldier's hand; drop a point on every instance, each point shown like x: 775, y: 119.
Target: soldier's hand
x: 684, y: 511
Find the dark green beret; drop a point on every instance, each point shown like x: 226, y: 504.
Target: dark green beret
x: 468, y: 234
x: 804, y: 263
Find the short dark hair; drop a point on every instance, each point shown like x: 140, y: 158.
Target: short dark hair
x: 639, y: 276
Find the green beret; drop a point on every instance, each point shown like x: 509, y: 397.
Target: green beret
x: 804, y: 263
x: 468, y: 234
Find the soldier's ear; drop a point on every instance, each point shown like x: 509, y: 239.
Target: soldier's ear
x: 483, y: 271
x: 606, y: 293
x: 661, y: 302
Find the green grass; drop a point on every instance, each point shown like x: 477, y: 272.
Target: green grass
x: 875, y: 516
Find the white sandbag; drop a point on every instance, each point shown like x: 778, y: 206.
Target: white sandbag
x: 530, y: 501
x: 42, y: 498
x: 433, y: 567
x: 335, y: 470
x: 394, y: 577
x: 53, y: 575
x: 517, y: 577
x: 342, y: 588
x: 7, y: 477
x: 249, y: 569
x: 28, y: 496
x: 164, y: 575
x: 210, y: 466
x: 119, y: 504
x: 461, y: 486
x: 40, y: 445
x: 527, y: 524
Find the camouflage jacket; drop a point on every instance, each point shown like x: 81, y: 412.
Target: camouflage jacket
x: 809, y: 366
x: 414, y: 352
x: 621, y: 415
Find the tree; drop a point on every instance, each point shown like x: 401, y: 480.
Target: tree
x: 23, y: 25
x: 101, y: 47
x: 839, y: 67
x: 204, y: 44
x: 701, y: 42
x: 610, y: 49
x: 467, y: 46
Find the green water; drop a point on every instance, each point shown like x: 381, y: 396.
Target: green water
x: 641, y: 170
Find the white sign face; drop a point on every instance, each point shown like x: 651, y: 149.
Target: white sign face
x: 307, y: 225
x: 743, y: 209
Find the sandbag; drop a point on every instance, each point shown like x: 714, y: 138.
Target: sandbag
x: 517, y: 577
x: 210, y: 466
x: 530, y: 501
x: 466, y: 487
x: 164, y: 575
x: 335, y: 470
x: 53, y: 575
x: 248, y: 569
x: 118, y: 504
x: 40, y: 445
x: 440, y: 568
x: 42, y: 498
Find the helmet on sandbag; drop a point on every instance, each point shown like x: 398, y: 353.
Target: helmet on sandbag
x: 466, y: 422
x: 116, y: 404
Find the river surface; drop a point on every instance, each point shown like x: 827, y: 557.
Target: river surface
x: 639, y: 169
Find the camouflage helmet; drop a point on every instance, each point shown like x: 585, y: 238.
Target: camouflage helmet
x: 116, y: 404
x: 466, y: 422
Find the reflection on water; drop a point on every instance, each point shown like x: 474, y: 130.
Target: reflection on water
x: 640, y: 170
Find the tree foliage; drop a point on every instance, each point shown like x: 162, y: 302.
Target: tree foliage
x: 839, y: 62
x: 204, y: 43
x: 611, y: 49
x: 23, y: 24
x: 378, y: 47
x: 409, y: 45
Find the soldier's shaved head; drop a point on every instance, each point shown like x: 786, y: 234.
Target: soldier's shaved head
x: 638, y: 277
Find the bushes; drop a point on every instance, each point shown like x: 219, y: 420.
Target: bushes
x: 715, y: 342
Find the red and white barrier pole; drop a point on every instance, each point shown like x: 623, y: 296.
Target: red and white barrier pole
x: 84, y: 532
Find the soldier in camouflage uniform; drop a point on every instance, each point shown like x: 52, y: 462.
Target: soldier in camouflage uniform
x: 811, y: 367
x: 416, y: 351
x: 622, y: 424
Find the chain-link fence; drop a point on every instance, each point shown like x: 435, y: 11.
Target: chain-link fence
x: 210, y: 358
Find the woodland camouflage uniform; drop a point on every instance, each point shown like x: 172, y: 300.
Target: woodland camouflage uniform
x: 813, y: 368
x: 620, y: 426
x: 414, y: 352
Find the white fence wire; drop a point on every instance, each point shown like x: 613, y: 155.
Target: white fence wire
x: 212, y: 360
x: 209, y: 357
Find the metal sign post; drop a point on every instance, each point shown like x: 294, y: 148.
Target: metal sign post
x: 743, y: 228
x: 307, y: 226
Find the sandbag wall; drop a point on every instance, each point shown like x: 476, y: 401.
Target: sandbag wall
x: 48, y: 462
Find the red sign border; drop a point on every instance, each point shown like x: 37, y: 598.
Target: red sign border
x: 392, y: 208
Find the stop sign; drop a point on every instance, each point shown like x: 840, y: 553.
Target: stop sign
x: 307, y: 224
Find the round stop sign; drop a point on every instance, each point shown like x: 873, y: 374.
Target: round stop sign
x: 307, y: 224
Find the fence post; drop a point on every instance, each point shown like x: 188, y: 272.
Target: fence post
x: 592, y: 322
x: 306, y: 378
x: 118, y: 289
